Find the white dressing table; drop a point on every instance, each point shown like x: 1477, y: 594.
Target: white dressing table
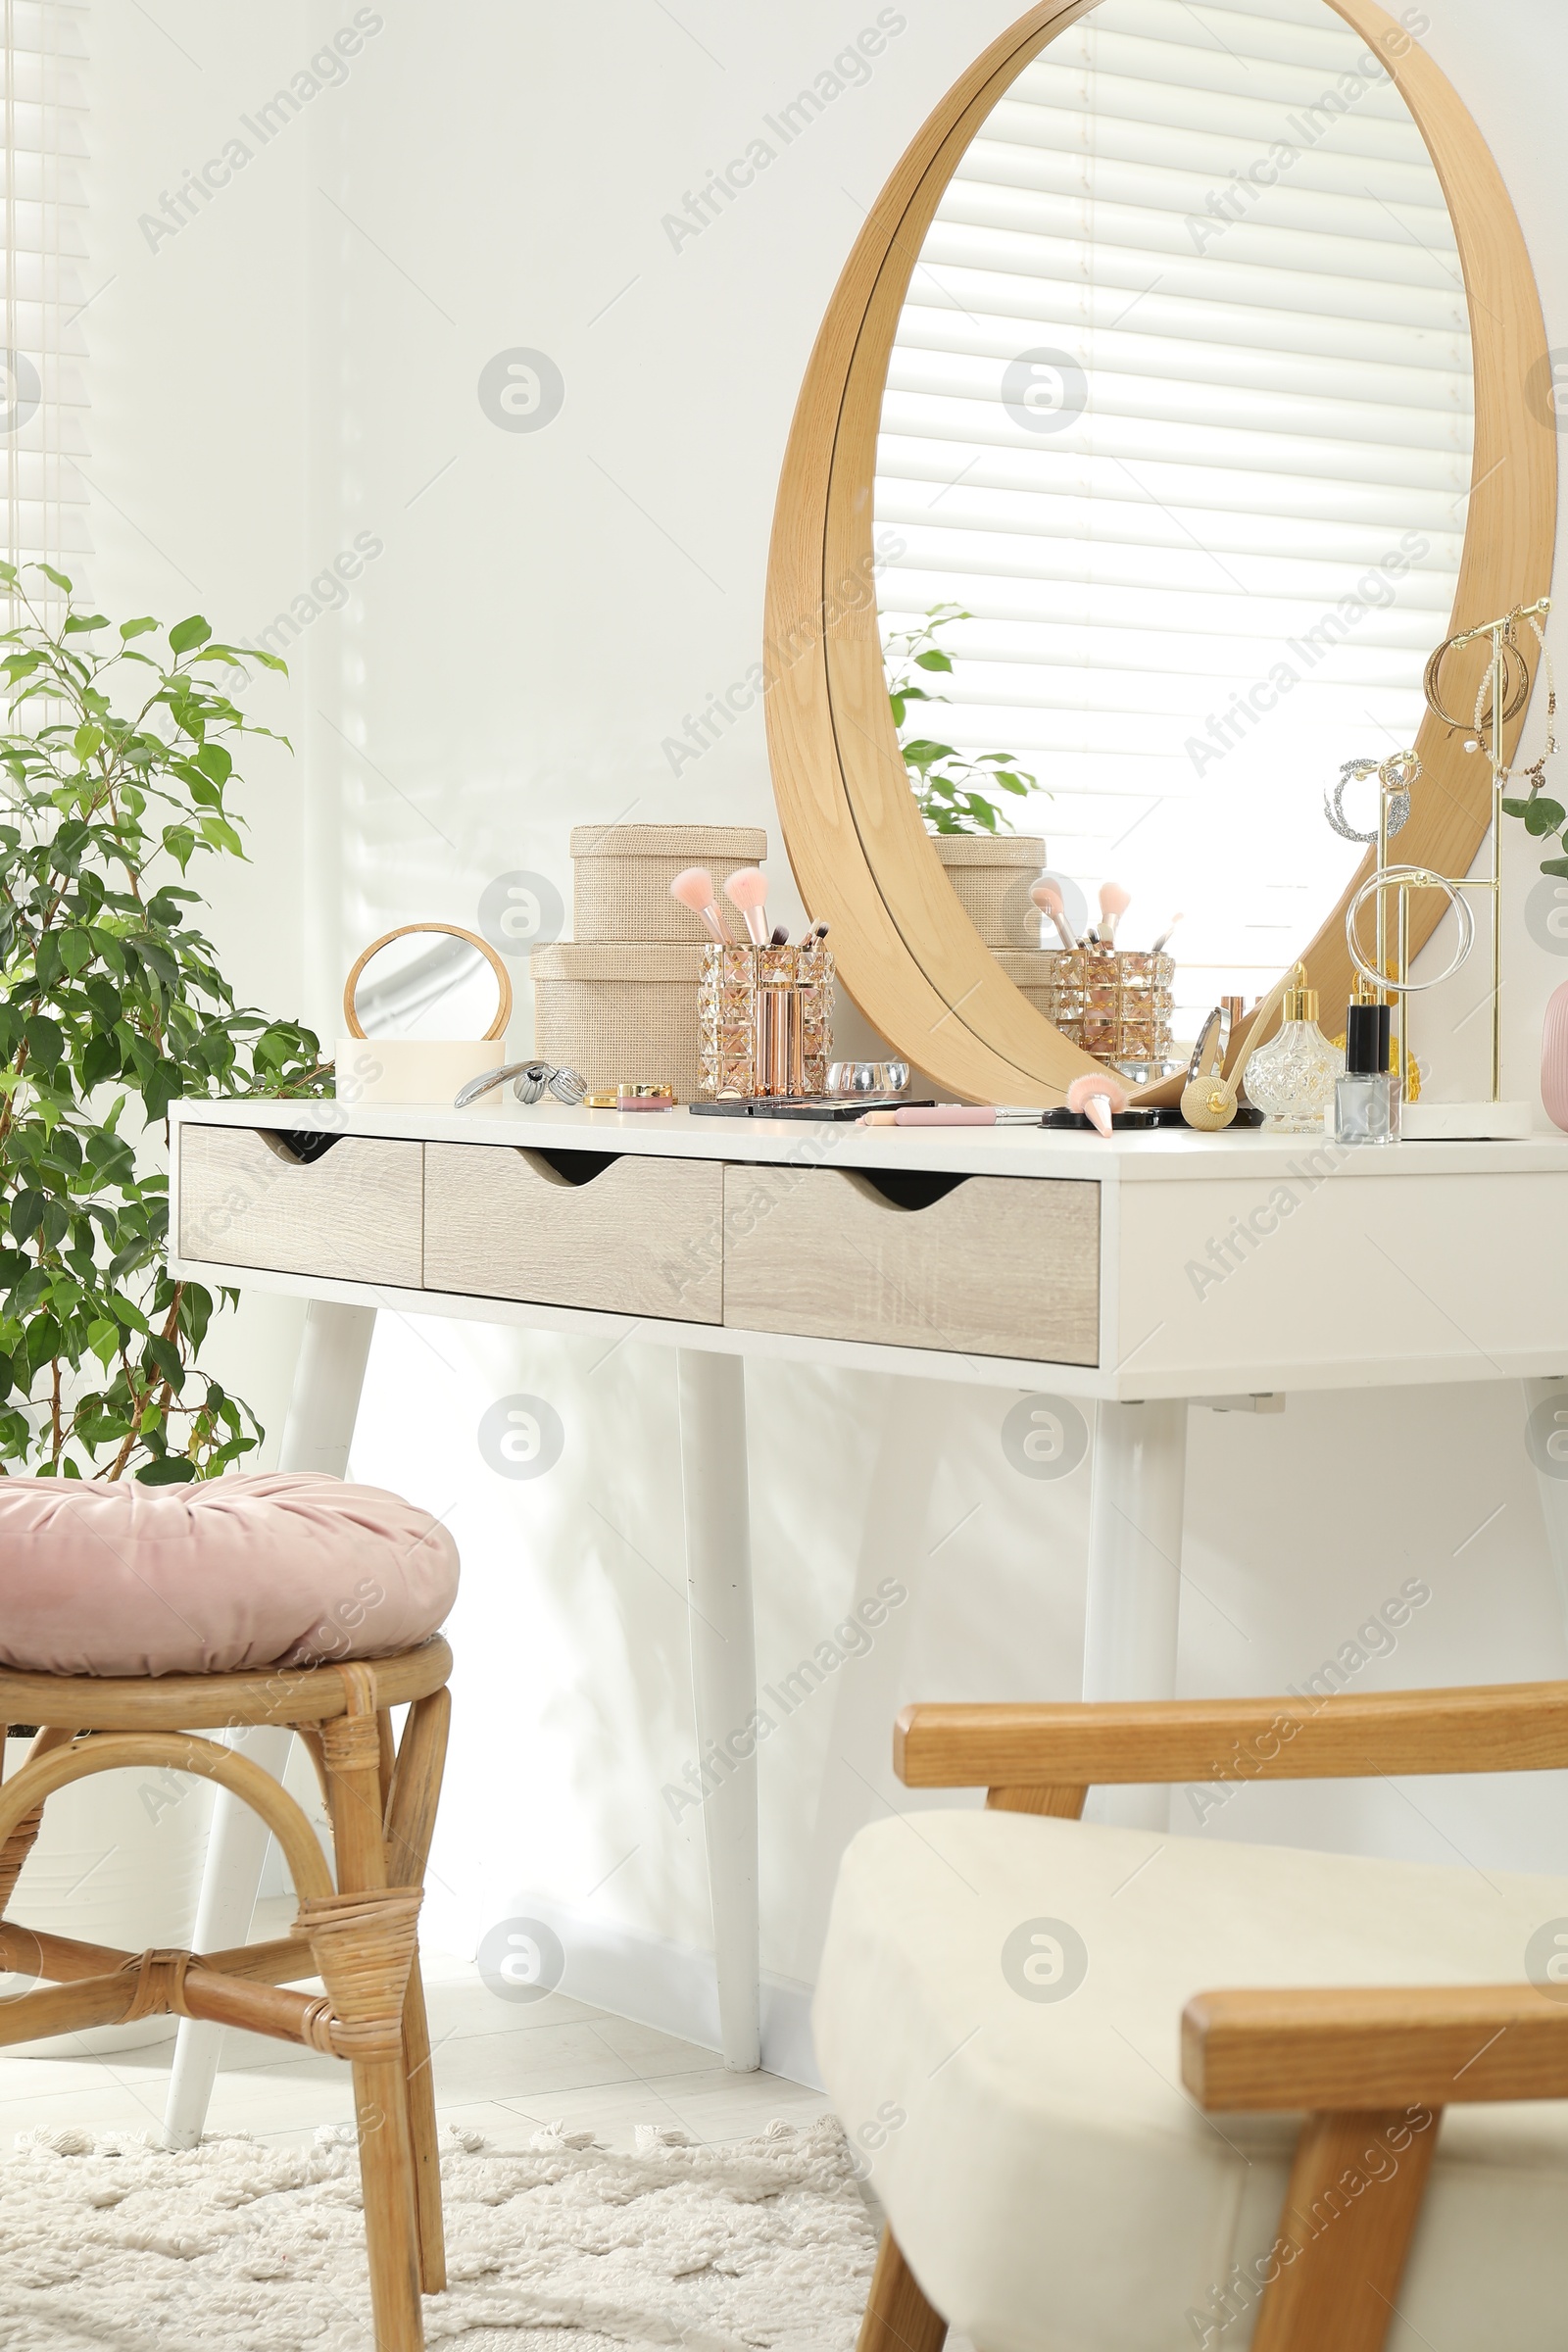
x: 1144, y: 1274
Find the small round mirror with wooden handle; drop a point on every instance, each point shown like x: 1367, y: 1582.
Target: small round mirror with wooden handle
x: 423, y: 1007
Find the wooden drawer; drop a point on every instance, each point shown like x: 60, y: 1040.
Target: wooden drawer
x: 354, y: 1213
x: 994, y: 1265
x: 630, y: 1234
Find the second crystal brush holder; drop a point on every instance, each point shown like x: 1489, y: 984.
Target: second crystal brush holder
x: 1115, y: 1003
x: 765, y: 1015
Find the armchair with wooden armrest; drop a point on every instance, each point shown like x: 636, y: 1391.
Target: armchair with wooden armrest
x: 1053, y: 2185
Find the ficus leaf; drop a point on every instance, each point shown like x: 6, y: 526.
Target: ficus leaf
x: 166, y: 1470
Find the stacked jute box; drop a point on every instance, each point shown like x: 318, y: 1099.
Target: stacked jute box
x: 619, y: 1001
x: 991, y: 874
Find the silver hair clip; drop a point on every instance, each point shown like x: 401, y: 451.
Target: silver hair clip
x: 531, y: 1081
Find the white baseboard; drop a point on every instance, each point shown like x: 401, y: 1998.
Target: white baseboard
x: 669, y: 1985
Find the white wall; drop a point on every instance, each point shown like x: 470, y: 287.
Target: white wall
x: 300, y: 364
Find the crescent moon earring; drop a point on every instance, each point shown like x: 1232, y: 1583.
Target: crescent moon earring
x: 1398, y: 785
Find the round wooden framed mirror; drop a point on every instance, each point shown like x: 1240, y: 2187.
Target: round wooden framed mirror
x: 428, y: 981
x: 906, y: 950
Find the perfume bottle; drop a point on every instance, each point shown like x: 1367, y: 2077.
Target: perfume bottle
x: 1367, y: 1098
x: 1290, y: 1079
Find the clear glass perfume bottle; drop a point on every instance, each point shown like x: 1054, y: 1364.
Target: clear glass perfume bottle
x: 1367, y: 1098
x: 1290, y: 1079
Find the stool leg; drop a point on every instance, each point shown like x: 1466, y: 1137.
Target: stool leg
x: 353, y: 1749
x: 230, y: 1880
x: 386, y: 2179
x: 411, y: 1813
x: 414, y: 1774
x: 419, y: 2080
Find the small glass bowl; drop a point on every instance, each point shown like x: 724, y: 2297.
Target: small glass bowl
x: 848, y: 1078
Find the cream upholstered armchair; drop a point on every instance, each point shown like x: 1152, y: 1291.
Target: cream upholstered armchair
x: 1082, y: 2148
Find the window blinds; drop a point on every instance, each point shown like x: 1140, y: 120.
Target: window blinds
x: 43, y: 421
x: 1180, y: 411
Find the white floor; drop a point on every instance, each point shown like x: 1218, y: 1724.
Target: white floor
x: 502, y: 2068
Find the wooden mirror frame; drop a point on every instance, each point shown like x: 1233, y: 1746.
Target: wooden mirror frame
x: 502, y: 1013
x: 906, y: 951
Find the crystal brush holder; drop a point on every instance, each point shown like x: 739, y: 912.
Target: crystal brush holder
x: 765, y: 1016
x: 1115, y: 1003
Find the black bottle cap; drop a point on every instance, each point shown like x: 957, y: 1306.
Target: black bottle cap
x: 1366, y: 1040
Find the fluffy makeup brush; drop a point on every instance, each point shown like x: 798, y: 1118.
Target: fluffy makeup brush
x: 1048, y: 897
x: 1099, y: 1097
x: 748, y: 889
x: 695, y: 889
x: 1113, y: 904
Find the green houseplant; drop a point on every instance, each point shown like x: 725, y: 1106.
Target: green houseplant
x: 117, y: 776
x: 953, y: 791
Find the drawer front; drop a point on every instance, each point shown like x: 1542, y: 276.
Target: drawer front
x: 626, y: 1235
x: 1000, y: 1265
x: 352, y: 1214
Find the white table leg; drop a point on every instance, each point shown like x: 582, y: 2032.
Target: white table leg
x: 317, y: 1436
x: 719, y: 1588
x: 1551, y: 1444
x: 1135, y: 1558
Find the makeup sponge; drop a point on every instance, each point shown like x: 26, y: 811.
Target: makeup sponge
x: 1098, y: 1096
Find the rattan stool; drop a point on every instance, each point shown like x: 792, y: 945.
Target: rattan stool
x: 359, y: 1939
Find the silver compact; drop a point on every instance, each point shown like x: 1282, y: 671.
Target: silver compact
x: 848, y: 1079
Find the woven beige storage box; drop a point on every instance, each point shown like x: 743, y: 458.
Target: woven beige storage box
x: 620, y: 1013
x: 992, y: 877
x: 1033, y: 969
x: 621, y: 876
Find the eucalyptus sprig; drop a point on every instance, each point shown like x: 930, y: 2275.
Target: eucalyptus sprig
x: 115, y: 775
x: 1543, y: 817
x: 953, y: 791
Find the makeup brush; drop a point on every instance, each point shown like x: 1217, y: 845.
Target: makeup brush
x: 1047, y: 895
x: 748, y: 889
x: 1113, y: 904
x: 781, y: 937
x: 950, y: 1114
x: 1099, y: 1097
x: 695, y: 889
x: 1164, y: 935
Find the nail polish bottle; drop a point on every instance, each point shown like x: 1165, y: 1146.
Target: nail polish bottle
x: 1367, y: 1096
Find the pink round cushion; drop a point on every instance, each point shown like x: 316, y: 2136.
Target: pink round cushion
x: 215, y: 1576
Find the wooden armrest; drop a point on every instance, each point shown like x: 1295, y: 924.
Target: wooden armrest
x: 1385, y: 2047
x: 1508, y: 1727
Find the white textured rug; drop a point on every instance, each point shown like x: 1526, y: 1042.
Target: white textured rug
x: 108, y: 2244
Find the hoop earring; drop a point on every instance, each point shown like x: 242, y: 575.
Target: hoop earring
x: 1514, y: 697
